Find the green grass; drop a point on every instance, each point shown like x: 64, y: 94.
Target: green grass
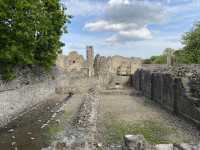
x: 154, y: 132
x: 50, y: 132
x: 56, y: 128
x: 53, y: 130
x: 67, y: 115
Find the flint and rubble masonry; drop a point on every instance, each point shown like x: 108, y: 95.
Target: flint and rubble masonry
x: 173, y: 93
x: 14, y: 102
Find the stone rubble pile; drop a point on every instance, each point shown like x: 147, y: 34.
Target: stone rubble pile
x: 81, y: 136
x: 190, y: 72
x: 137, y: 142
x: 179, y: 71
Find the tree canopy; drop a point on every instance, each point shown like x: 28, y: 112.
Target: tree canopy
x: 189, y: 54
x: 191, y: 40
x: 30, y: 32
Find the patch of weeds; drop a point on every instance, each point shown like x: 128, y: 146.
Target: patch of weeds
x: 68, y: 115
x: 56, y: 128
x: 154, y: 132
x: 53, y: 130
x: 50, y: 133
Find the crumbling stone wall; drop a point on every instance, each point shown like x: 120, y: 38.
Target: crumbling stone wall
x: 20, y: 97
x: 28, y: 91
x: 90, y: 60
x: 72, y: 62
x: 124, y: 66
x: 102, y: 69
x: 110, y: 70
x: 116, y: 65
x: 138, y: 142
x: 173, y: 92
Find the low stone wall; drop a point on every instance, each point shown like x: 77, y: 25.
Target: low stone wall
x: 172, y: 92
x: 16, y: 101
x: 30, y: 89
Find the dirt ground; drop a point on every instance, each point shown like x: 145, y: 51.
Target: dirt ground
x: 29, y: 132
x: 122, y: 113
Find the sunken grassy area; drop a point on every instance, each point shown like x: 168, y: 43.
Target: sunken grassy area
x: 154, y: 132
x: 131, y: 114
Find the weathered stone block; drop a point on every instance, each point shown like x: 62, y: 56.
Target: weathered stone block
x: 164, y: 147
x: 134, y: 142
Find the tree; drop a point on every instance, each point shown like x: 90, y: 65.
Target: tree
x: 162, y: 59
x: 181, y: 57
x: 30, y: 33
x: 191, y: 40
x: 168, y: 51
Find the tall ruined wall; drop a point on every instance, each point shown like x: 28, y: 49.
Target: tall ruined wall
x: 116, y: 65
x: 102, y: 68
x: 90, y: 60
x: 173, y: 88
x: 116, y: 69
x: 71, y: 62
x: 124, y: 66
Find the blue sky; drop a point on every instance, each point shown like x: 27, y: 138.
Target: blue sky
x: 133, y: 28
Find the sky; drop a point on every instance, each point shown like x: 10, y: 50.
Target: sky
x: 131, y: 28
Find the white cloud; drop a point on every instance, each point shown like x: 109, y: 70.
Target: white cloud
x: 139, y: 12
x: 128, y: 20
x: 142, y: 33
x: 129, y: 35
x: 83, y: 8
x: 117, y: 2
x: 103, y: 25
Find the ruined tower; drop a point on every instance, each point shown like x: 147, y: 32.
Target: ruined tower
x: 90, y: 60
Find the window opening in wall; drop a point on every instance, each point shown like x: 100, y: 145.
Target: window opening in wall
x: 117, y: 83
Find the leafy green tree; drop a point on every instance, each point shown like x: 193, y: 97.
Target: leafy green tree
x: 181, y: 57
x: 30, y: 33
x: 162, y: 59
x: 191, y: 40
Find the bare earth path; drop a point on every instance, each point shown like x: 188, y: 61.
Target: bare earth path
x: 34, y: 130
x: 125, y: 112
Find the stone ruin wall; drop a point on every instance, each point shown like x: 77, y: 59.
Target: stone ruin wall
x: 116, y: 69
x: 175, y: 88
x: 138, y: 142
x: 72, y: 62
x: 90, y: 60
